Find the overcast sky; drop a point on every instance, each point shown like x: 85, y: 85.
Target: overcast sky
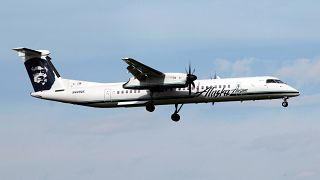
x: 228, y: 141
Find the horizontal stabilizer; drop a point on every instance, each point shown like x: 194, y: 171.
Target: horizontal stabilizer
x: 42, y: 73
x: 26, y: 53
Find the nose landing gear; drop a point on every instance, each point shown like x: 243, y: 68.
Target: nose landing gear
x: 285, y: 102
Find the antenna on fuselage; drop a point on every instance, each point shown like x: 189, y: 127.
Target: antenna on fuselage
x: 215, y: 76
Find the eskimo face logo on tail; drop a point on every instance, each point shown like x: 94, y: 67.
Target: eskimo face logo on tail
x: 39, y: 74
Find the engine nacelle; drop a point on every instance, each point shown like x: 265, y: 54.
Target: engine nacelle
x: 170, y: 80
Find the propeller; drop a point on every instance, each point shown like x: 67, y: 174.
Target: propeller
x: 190, y: 79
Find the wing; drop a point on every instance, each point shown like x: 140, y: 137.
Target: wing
x: 141, y: 71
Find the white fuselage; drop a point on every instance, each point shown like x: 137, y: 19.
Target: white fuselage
x: 109, y: 95
x: 148, y: 87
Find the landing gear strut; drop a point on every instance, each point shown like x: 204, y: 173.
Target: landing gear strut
x: 285, y: 102
x: 150, y: 107
x: 175, y: 116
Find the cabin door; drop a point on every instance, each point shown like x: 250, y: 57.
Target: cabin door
x: 107, y: 95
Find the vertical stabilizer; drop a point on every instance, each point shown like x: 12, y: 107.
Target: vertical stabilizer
x: 41, y: 71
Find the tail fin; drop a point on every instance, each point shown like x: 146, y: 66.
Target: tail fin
x: 43, y: 75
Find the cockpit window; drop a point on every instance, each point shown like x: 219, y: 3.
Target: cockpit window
x: 270, y: 81
x: 279, y: 81
x: 274, y: 81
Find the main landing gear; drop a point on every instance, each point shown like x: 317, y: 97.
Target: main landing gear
x: 150, y: 107
x: 175, y: 116
x: 285, y: 102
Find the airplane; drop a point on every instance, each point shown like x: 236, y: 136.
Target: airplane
x: 148, y: 87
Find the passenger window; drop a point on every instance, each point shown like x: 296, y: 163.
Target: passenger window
x: 118, y: 92
x: 229, y: 86
x: 202, y: 87
x: 126, y: 91
x: 122, y: 92
x: 224, y: 86
x: 219, y: 86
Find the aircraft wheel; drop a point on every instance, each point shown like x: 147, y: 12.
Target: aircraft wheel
x: 150, y: 107
x: 285, y: 104
x: 175, y: 117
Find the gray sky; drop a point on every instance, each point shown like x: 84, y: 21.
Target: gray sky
x: 249, y: 140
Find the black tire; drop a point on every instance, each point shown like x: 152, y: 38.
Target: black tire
x: 150, y: 107
x: 175, y: 117
x: 285, y: 104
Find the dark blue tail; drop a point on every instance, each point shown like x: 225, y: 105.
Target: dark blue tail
x: 41, y: 71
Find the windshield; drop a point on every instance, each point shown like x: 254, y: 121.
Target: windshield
x: 274, y: 81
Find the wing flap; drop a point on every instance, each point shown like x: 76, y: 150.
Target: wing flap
x: 141, y: 71
x: 135, y: 72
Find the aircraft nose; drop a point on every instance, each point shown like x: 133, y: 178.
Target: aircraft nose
x: 295, y: 91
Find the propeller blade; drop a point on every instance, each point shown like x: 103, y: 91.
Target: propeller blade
x: 190, y: 78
